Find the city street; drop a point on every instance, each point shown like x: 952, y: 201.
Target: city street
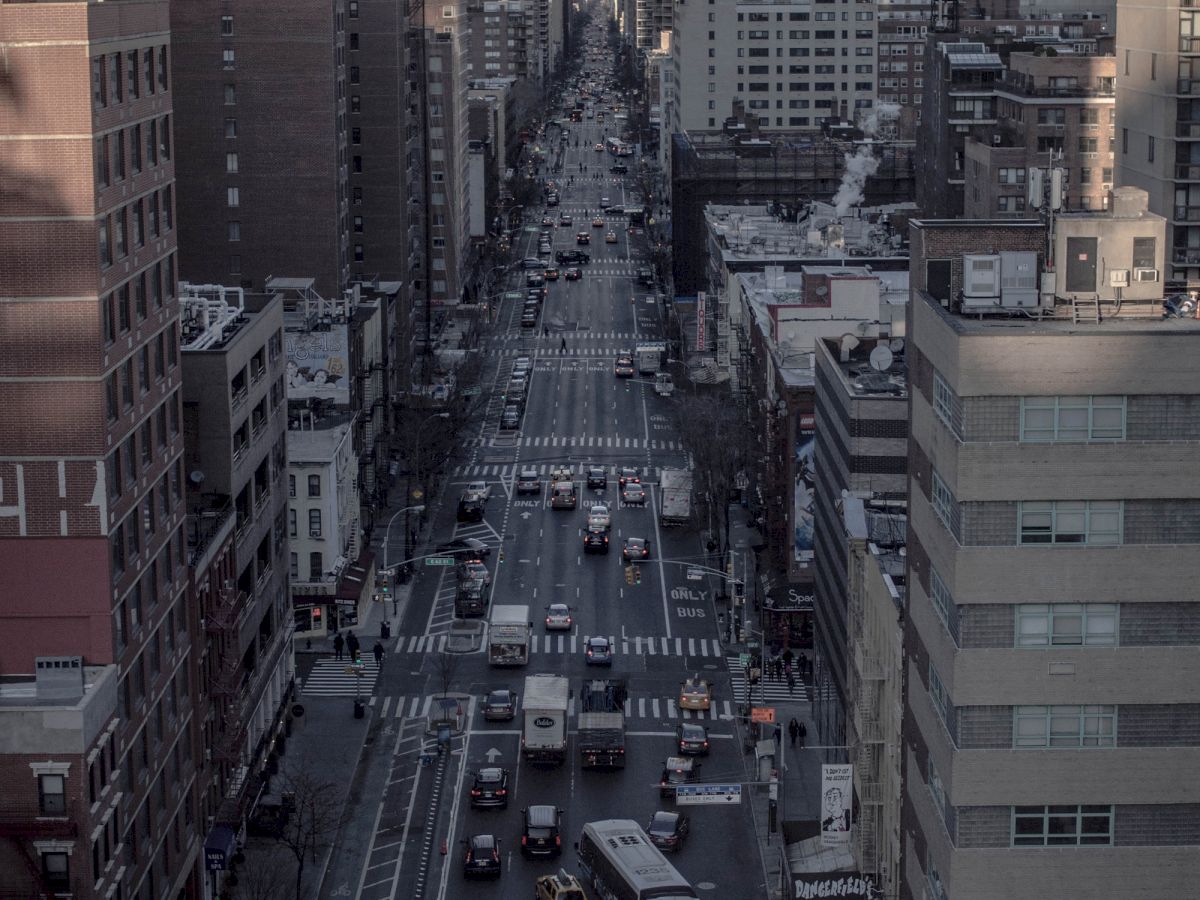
x: 663, y: 629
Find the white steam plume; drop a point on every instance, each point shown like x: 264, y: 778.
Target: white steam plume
x: 859, y: 167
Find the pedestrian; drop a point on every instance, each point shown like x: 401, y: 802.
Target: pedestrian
x: 384, y: 631
x: 787, y: 670
x: 352, y: 644
x: 338, y: 643
x: 778, y: 734
x: 794, y: 730
x: 803, y: 734
x: 378, y: 651
x: 563, y: 348
x: 791, y: 683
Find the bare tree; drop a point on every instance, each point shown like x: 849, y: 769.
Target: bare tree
x: 445, y: 667
x: 314, y: 819
x: 259, y: 883
x: 714, y: 431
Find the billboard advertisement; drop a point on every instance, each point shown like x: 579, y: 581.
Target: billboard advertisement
x: 804, y: 488
x: 318, y: 364
x: 836, y: 791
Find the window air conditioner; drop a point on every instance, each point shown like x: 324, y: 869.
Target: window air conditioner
x: 314, y: 532
x: 1145, y: 274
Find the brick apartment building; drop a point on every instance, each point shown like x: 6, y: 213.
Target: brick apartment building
x: 263, y: 112
x: 93, y: 553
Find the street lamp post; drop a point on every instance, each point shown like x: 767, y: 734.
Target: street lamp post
x: 420, y: 478
x: 387, y: 535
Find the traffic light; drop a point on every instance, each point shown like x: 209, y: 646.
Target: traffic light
x: 637, y: 575
x: 385, y: 586
x: 629, y: 574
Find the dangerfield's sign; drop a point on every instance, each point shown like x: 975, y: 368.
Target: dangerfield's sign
x: 848, y: 884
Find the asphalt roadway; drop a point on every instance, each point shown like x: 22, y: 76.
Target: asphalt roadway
x: 404, y: 814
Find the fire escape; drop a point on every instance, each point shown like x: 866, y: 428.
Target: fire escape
x: 867, y: 747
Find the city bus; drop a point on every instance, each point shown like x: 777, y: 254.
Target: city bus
x: 621, y: 863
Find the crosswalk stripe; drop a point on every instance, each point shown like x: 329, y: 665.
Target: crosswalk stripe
x: 679, y: 647
x: 691, y: 646
x: 654, y: 707
x: 387, y: 701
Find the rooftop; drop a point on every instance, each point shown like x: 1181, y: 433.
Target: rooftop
x: 213, y: 317
x: 815, y: 231
x: 870, y: 368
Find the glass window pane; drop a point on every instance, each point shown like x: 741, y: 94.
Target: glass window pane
x: 1038, y: 419
x: 1070, y: 519
x: 1104, y: 523
x: 1073, y: 422
x: 1033, y: 627
x: 1068, y: 624
x: 1096, y: 829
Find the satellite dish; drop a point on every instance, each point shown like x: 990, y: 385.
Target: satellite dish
x: 896, y: 345
x: 821, y: 290
x: 881, y: 358
x: 196, y: 477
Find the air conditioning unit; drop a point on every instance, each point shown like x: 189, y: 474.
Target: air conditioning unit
x: 1118, y: 278
x: 314, y: 532
x: 996, y: 139
x: 1145, y: 274
x: 1018, y: 279
x: 981, y: 276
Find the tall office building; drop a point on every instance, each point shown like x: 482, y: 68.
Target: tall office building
x: 1052, y: 711
x: 263, y: 111
x: 1158, y: 120
x: 793, y: 65
x: 96, y: 697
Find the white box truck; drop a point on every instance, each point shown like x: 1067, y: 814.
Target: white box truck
x: 508, y: 635
x: 676, y: 489
x: 649, y: 357
x: 544, y: 707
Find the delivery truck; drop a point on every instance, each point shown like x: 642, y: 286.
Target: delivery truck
x: 544, y: 729
x: 676, y: 490
x: 601, y: 727
x: 508, y: 635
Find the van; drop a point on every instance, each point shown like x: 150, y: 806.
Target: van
x: 541, y: 836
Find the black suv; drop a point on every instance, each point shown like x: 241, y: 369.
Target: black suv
x: 490, y: 788
x: 597, y: 477
x: 568, y: 257
x: 540, y: 835
x: 595, y: 540
x: 470, y: 509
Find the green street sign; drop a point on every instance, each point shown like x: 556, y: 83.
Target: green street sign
x: 439, y: 560
x: 471, y: 391
x: 744, y: 659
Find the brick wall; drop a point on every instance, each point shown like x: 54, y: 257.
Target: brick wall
x: 1160, y: 624
x: 1162, y: 521
x: 1157, y: 825
x: 1158, y: 725
x: 985, y: 626
x: 1162, y: 417
x: 991, y: 418
x: 985, y: 727
x: 984, y: 827
x: 989, y: 524
x: 950, y: 239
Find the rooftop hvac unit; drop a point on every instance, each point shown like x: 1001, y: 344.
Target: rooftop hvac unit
x: 981, y: 277
x: 1018, y: 279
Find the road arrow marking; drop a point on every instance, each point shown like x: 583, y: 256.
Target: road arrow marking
x: 492, y: 754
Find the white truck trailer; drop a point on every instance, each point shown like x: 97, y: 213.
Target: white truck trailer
x: 544, y: 707
x: 676, y: 489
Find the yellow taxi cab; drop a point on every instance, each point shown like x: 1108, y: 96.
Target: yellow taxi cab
x: 696, y: 693
x: 558, y: 887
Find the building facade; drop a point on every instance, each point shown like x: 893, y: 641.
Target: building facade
x: 91, y: 458
x: 1052, y: 112
x: 264, y: 185
x: 1052, y: 630
x: 1158, y: 120
x: 860, y: 436
x: 792, y: 65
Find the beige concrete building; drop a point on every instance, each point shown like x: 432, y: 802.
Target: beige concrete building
x: 1050, y: 111
x: 793, y: 65
x: 1158, y: 120
x: 874, y: 530
x: 1052, y: 637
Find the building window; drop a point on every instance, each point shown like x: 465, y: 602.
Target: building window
x: 1072, y: 727
x: 314, y: 485
x: 52, y: 795
x: 235, y: 231
x: 316, y: 566
x: 943, y: 501
x: 294, y: 566
x: 232, y: 197
x: 938, y: 696
x: 292, y: 523
x: 56, y: 869
x: 226, y: 25
x: 231, y: 163
x: 1067, y: 624
x: 314, y: 523
x: 231, y: 128
x: 940, y: 595
x: 1073, y: 418
x: 1060, y: 826
x: 1096, y: 522
x: 291, y: 485
x: 944, y: 401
